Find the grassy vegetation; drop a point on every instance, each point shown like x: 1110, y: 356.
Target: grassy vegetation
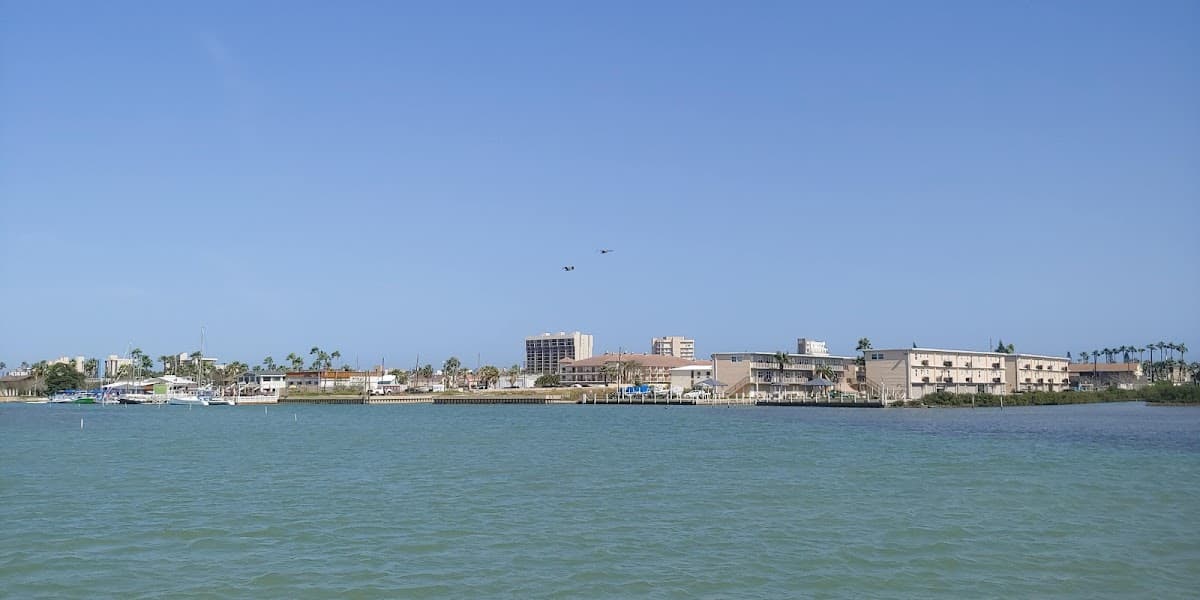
x: 1162, y: 393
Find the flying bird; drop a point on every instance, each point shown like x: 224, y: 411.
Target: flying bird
x: 569, y: 268
x: 606, y: 251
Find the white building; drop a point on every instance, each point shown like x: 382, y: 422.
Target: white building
x: 543, y: 352
x: 811, y: 347
x: 911, y: 373
x: 686, y: 377
x: 113, y: 364
x: 674, y: 345
x: 76, y: 363
x: 265, y: 383
x: 1034, y: 373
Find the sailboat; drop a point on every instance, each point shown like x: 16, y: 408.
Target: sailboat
x: 202, y: 396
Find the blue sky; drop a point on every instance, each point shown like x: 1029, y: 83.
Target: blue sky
x: 390, y: 179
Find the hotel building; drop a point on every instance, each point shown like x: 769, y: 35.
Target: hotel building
x: 543, y: 352
x: 915, y: 372
x: 1034, y: 373
x: 674, y: 345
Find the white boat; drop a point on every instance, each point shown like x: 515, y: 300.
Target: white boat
x: 187, y: 399
x: 222, y: 401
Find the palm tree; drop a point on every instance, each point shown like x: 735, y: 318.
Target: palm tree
x: 336, y: 354
x: 166, y: 363
x: 781, y: 360
x: 1182, y: 348
x: 450, y: 370
x: 488, y: 375
x: 268, y: 363
x: 826, y: 372
x: 513, y: 373
x: 91, y: 367
x: 864, y: 344
x: 629, y: 372
x: 1084, y: 356
x: 295, y: 360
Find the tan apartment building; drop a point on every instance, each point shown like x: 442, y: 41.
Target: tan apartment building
x: 674, y: 345
x: 543, y: 352
x: 603, y: 370
x: 758, y: 374
x: 1034, y: 373
x: 911, y: 373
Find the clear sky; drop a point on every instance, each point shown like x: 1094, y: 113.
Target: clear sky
x: 394, y: 178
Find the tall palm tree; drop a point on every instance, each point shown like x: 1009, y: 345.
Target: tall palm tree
x: 782, y: 360
x: 864, y: 344
x: 295, y: 360
x: 450, y: 369
x: 1182, y: 348
x: 336, y: 354
x: 268, y: 363
x: 1084, y: 356
x: 629, y: 372
x: 513, y: 373
x: 91, y: 367
x: 166, y: 363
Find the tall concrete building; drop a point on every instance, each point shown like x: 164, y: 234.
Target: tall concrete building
x: 113, y: 364
x: 674, y: 345
x: 542, y: 352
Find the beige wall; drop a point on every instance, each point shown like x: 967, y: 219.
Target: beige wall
x: 1033, y: 373
x: 757, y: 372
x: 686, y: 378
x: 920, y: 371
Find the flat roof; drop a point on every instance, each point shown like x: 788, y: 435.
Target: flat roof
x: 949, y: 351
x: 790, y: 354
x: 1023, y: 355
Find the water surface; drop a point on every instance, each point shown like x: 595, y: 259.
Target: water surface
x: 598, y: 501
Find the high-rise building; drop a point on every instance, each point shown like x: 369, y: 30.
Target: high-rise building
x: 542, y: 352
x: 674, y: 345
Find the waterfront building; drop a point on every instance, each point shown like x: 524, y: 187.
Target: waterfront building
x: 1090, y: 376
x: 623, y: 368
x: 265, y: 383
x: 1034, y: 373
x: 335, y: 381
x: 543, y: 352
x: 17, y: 384
x: 811, y: 347
x: 910, y: 373
x: 759, y: 374
x: 686, y: 377
x: 674, y: 345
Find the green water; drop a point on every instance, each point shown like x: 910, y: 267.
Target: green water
x: 598, y: 502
